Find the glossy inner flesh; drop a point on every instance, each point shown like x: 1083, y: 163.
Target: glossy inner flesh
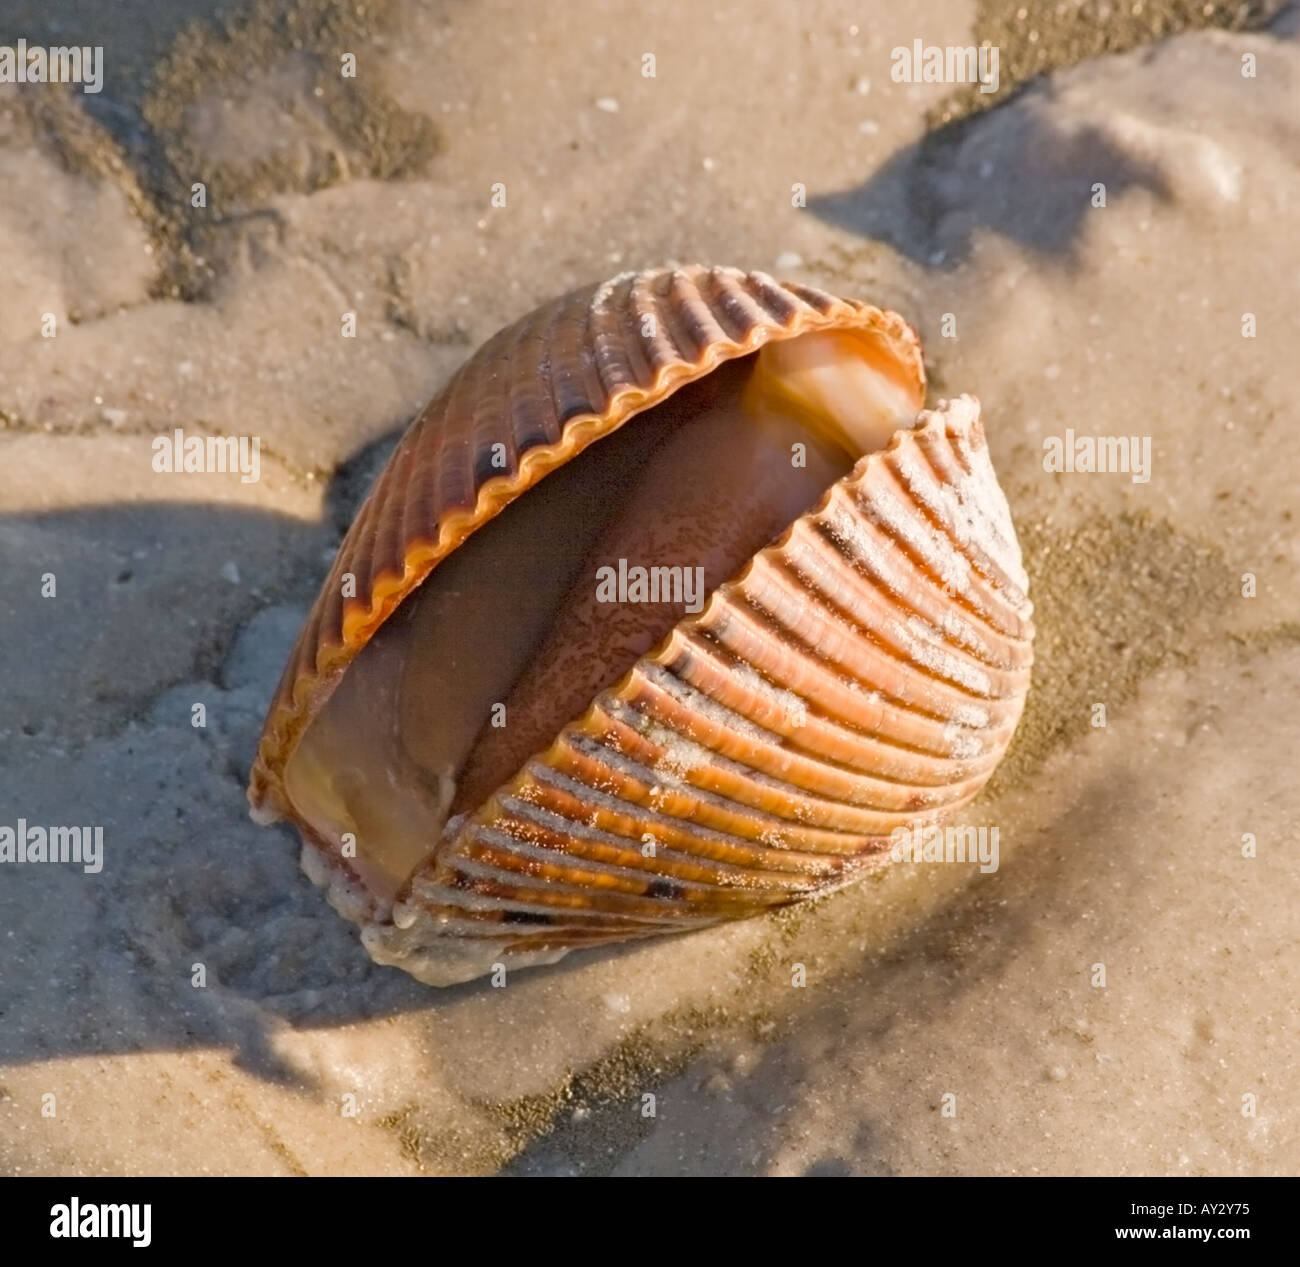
x: 515, y: 633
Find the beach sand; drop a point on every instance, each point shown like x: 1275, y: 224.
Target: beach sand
x: 1121, y: 846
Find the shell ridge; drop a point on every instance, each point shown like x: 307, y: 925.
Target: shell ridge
x: 776, y: 858
x: 877, y: 613
x: 914, y: 766
x: 709, y: 802
x: 887, y: 718
x: 625, y: 874
x: 809, y: 770
x: 865, y: 546
x: 628, y: 857
x: 752, y: 789
x: 944, y: 500
x: 828, y: 633
x: 932, y: 550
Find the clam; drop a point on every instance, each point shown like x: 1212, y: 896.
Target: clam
x: 670, y: 608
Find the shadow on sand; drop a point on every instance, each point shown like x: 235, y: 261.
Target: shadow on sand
x: 1012, y: 172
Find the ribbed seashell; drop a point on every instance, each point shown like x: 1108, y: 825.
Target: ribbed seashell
x: 862, y: 672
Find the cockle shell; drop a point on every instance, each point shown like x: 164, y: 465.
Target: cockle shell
x: 862, y: 672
